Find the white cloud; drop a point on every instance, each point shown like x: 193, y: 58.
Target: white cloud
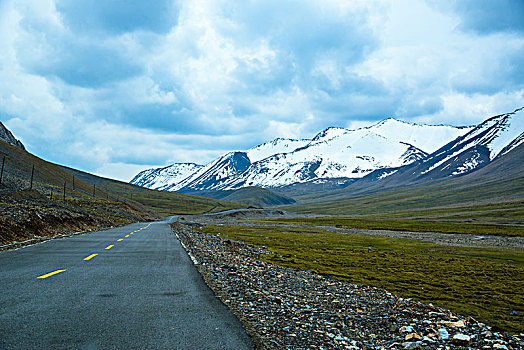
x: 102, y: 89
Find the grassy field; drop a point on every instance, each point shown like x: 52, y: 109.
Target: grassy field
x: 484, y: 283
x: 400, y: 224
x: 489, y: 199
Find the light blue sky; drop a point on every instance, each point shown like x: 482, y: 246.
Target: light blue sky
x: 116, y: 86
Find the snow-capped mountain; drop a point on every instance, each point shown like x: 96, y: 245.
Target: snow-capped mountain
x: 215, y: 174
x: 338, y: 152
x: 278, y: 145
x: 332, y: 153
x: 163, y: 178
x: 488, y: 141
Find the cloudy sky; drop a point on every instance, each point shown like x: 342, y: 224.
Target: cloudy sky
x: 117, y: 86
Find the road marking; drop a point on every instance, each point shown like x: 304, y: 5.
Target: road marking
x: 110, y: 246
x: 90, y: 257
x: 127, y: 236
x: 50, y: 274
x: 131, y: 233
x: 119, y: 240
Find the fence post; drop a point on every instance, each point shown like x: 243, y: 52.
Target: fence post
x: 64, y: 189
x: 2, y: 172
x: 32, y: 173
x: 94, y: 189
x: 51, y: 192
x: 73, y: 182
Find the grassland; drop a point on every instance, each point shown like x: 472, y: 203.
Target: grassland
x: 373, y: 223
x: 485, y: 196
x: 484, y: 283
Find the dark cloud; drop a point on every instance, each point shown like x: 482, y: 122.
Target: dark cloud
x: 88, y: 65
x: 76, y: 59
x: 490, y: 16
x: 118, y: 16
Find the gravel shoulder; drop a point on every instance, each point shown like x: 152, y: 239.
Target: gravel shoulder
x: 285, y: 308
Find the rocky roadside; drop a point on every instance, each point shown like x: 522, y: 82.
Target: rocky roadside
x: 28, y: 217
x: 284, y: 308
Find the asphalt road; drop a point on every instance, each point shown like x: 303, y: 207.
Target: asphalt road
x: 141, y: 293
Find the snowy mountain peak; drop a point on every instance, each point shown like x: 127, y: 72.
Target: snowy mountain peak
x: 329, y: 134
x: 352, y: 154
x: 278, y: 145
x: 492, y: 138
x: 163, y: 178
x: 499, y: 131
x: 427, y: 138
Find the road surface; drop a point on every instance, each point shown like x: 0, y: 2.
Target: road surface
x: 132, y: 287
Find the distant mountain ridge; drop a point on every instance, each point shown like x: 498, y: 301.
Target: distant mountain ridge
x: 333, y: 153
x: 8, y: 137
x: 494, y: 138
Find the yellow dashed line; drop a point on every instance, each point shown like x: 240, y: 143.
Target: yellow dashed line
x: 90, y: 257
x: 50, y: 274
x: 110, y: 246
x: 126, y: 236
x: 119, y: 240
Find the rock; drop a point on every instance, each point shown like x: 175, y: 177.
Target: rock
x: 428, y: 340
x: 514, y: 313
x: 413, y: 336
x: 443, y: 334
x: 453, y: 324
x: 461, y: 339
x: 406, y: 329
x: 410, y: 345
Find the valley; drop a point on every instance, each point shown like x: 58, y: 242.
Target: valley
x: 436, y: 236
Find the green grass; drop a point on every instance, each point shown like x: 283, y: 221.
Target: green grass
x: 373, y: 223
x: 488, y: 200
x: 484, y: 283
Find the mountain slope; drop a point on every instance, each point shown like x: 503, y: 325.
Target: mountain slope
x: 332, y: 153
x: 163, y: 178
x: 491, y: 194
x: 252, y: 196
x: 8, y: 137
x: 215, y: 174
x: 491, y: 139
x: 62, y: 199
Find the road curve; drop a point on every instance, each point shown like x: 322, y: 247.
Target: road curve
x: 132, y: 287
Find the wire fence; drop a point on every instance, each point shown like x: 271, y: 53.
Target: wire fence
x: 56, y: 184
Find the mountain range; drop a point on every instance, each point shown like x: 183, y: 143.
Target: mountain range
x: 390, y: 149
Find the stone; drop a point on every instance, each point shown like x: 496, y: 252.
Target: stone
x: 410, y: 345
x: 453, y: 324
x: 413, y: 336
x: 406, y: 329
x: 461, y: 339
x: 443, y: 334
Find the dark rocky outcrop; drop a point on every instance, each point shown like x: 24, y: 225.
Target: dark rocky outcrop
x: 8, y: 137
